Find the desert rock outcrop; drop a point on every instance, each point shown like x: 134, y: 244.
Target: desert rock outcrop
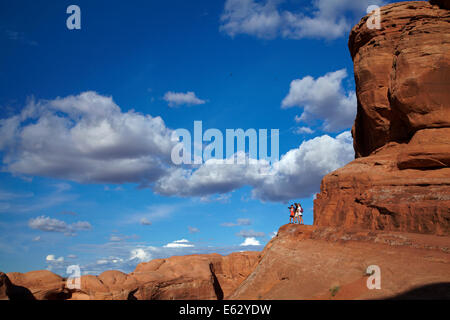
x: 401, y: 177
x: 208, y: 277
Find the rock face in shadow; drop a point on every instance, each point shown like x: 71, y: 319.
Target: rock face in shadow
x: 401, y: 177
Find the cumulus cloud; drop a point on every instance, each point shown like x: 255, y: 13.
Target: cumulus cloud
x: 175, y: 99
x: 48, y: 224
x: 296, y: 175
x: 303, y: 130
x: 239, y: 222
x: 267, y: 19
x: 325, y: 99
x: 140, y: 255
x: 85, y: 138
x: 250, y: 242
x: 299, y: 172
x: 179, y: 244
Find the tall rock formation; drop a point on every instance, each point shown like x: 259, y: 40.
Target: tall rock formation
x: 401, y: 177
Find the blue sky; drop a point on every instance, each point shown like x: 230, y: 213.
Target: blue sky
x: 86, y: 117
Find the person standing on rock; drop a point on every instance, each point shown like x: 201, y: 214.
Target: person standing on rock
x: 291, y: 210
x: 299, y: 214
x: 296, y: 213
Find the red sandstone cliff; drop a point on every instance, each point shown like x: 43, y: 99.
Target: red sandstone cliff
x: 401, y: 177
x: 390, y: 207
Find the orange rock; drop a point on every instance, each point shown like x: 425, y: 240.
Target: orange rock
x: 306, y: 262
x: 401, y: 178
x: 205, y: 277
x: 401, y: 73
x: 40, y: 285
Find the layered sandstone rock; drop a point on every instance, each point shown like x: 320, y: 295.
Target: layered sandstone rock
x: 401, y: 73
x: 40, y: 285
x: 401, y: 177
x: 207, y: 277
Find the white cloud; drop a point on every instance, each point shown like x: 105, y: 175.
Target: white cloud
x: 239, y: 222
x: 250, y: 17
x: 88, y: 139
x: 115, y: 239
x: 154, y: 213
x: 296, y: 175
x: 250, y: 242
x: 323, y: 98
x: 222, y: 198
x: 19, y: 37
x: 328, y: 19
x: 299, y: 172
x: 48, y: 224
x: 85, y: 138
x: 102, y: 261
x: 52, y: 258
x: 140, y: 254
x: 176, y: 99
x: 6, y: 195
x: 179, y: 244
x: 250, y: 234
x: 303, y: 130
x: 145, y: 222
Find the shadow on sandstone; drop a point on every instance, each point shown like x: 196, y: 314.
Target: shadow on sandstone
x: 435, y: 291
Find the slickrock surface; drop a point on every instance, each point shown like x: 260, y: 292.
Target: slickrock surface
x: 308, y: 262
x: 401, y: 177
